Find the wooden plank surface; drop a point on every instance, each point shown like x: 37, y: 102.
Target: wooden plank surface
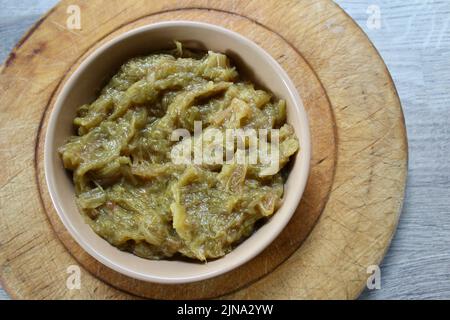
x: 417, y: 265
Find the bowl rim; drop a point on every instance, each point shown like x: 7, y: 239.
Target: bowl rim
x: 300, y: 181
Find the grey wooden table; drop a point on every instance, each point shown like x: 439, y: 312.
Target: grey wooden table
x: 413, y: 36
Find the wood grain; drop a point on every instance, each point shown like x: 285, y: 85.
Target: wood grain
x: 362, y: 211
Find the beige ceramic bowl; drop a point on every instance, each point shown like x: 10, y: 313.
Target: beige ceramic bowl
x: 82, y: 87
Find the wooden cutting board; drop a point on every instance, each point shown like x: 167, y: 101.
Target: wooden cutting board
x: 353, y: 199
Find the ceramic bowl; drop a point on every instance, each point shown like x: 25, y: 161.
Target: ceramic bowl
x: 90, y: 76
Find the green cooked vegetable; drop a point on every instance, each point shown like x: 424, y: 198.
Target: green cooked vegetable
x: 128, y: 187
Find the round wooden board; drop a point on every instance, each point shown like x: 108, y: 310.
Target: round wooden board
x: 359, y: 152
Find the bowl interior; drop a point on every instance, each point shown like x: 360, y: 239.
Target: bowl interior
x: 82, y: 87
